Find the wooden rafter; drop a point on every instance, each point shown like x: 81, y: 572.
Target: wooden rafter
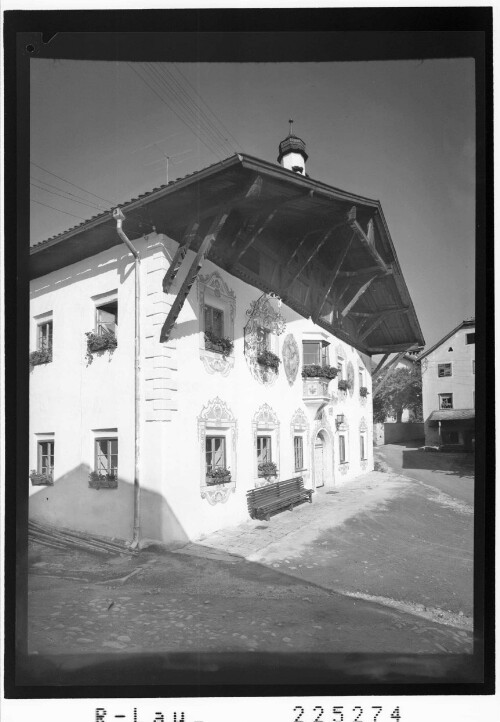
x: 380, y: 364
x: 314, y: 252
x: 192, y: 273
x: 365, y: 240
x: 360, y: 272
x: 357, y: 295
x: 388, y: 371
x: 253, y: 232
x: 335, y: 273
x: 179, y: 255
x: 393, y: 347
x: 383, y: 316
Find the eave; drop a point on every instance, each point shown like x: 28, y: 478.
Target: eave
x: 327, y: 253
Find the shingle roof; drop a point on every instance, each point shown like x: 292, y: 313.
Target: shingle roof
x: 452, y: 415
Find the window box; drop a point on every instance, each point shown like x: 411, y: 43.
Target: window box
x: 317, y: 371
x: 363, y: 391
x: 43, y: 356
x: 269, y: 360
x: 266, y: 469
x: 219, y: 344
x: 220, y: 475
x: 41, y: 479
x: 98, y: 343
x: 102, y: 481
x: 344, y: 385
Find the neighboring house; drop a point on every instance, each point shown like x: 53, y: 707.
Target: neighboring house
x: 448, y: 388
x: 248, y: 272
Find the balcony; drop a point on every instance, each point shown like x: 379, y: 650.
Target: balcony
x: 315, y: 392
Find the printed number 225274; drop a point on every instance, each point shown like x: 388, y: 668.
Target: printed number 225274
x: 345, y: 714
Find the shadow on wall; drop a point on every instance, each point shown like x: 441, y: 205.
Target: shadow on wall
x: 454, y: 464
x: 71, y: 503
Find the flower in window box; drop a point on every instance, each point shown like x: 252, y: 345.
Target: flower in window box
x: 219, y: 344
x: 266, y: 469
x: 344, y: 385
x: 38, y: 479
x: 98, y: 343
x: 269, y: 360
x: 42, y: 356
x: 363, y: 391
x: 102, y: 481
x: 317, y: 371
x: 219, y: 475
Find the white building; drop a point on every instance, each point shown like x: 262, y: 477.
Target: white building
x: 238, y: 264
x: 448, y: 388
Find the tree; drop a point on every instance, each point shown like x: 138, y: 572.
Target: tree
x: 403, y: 390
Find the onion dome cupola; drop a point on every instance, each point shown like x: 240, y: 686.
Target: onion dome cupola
x: 292, y: 153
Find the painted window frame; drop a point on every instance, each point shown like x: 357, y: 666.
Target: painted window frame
x: 441, y: 398
x: 363, y: 450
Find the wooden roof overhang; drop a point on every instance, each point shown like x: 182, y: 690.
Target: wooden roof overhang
x: 327, y: 253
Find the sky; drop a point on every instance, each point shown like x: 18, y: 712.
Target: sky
x: 401, y: 132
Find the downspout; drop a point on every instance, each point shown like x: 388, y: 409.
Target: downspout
x: 119, y: 217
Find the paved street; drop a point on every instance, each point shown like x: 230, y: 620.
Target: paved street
x: 383, y: 564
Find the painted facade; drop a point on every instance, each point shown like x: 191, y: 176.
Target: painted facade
x: 192, y: 396
x: 448, y: 388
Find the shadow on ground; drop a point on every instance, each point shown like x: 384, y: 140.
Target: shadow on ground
x: 450, y: 463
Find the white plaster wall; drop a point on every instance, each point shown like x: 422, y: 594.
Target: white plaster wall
x: 293, y: 159
x: 69, y: 399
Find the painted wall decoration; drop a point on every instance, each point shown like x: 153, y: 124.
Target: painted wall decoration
x: 291, y: 358
x: 350, y: 377
x: 213, y: 290
x: 262, y: 316
x: 266, y: 422
x: 217, y: 419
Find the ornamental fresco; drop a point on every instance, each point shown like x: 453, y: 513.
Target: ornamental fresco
x: 216, y: 415
x: 214, y: 285
x: 291, y: 358
x: 261, y: 315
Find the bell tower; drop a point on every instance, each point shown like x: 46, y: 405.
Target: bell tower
x: 292, y: 153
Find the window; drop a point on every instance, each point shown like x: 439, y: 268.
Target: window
x: 342, y: 448
x: 44, y: 336
x: 107, y: 456
x: 362, y: 447
x: 298, y: 451
x: 107, y: 318
x: 361, y: 378
x: 315, y: 352
x: 450, y: 437
x: 263, y: 449
x: 46, y: 457
x: 470, y: 338
x: 444, y: 370
x: 445, y: 401
x: 215, y: 452
x: 473, y: 367
x: 214, y: 321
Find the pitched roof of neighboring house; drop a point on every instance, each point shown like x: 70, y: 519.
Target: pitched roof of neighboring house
x: 299, y: 221
x: 467, y: 323
x: 452, y: 415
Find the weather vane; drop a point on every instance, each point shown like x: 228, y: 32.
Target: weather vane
x: 290, y: 120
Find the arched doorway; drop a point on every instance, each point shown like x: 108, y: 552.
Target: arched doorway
x: 322, y: 462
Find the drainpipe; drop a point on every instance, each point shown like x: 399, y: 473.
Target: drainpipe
x: 119, y: 217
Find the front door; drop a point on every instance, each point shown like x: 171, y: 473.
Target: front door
x: 319, y: 462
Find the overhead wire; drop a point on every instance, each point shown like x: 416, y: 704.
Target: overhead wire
x: 61, y: 195
x: 32, y: 200
x: 62, y: 190
x: 190, y: 104
x: 224, y: 128
x: 106, y: 200
x: 183, y: 120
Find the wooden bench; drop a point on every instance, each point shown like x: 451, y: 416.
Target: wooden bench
x: 276, y: 497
